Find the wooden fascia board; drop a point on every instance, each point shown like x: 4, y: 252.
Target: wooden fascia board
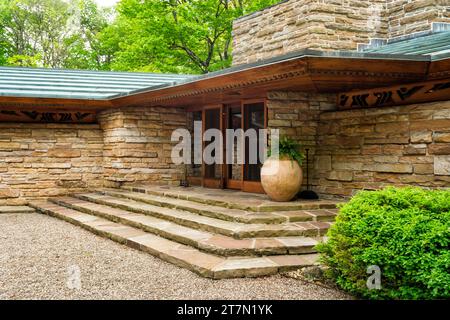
x: 236, y: 80
x: 313, y: 70
x: 53, y: 103
x: 366, y: 67
x: 439, y: 69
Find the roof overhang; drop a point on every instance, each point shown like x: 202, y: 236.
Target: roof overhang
x: 306, y: 70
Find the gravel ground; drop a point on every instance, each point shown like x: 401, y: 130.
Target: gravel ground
x: 38, y: 255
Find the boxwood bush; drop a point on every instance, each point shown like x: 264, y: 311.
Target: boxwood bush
x: 404, y: 231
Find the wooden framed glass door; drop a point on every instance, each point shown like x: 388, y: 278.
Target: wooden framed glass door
x: 255, y: 118
x: 246, y: 115
x: 212, y: 173
x: 234, y: 171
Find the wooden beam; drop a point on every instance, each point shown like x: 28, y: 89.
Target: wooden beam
x: 439, y: 69
x: 395, y: 95
x: 46, y: 116
x: 18, y: 103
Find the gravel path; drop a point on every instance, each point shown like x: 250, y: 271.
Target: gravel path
x: 37, y: 255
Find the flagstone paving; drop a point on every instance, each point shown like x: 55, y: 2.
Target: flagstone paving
x: 228, y: 214
x: 37, y: 250
x: 224, y: 227
x: 207, y: 265
x: 208, y: 239
x: 232, y: 198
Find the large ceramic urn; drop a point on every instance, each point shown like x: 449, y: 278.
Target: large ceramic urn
x: 281, y: 178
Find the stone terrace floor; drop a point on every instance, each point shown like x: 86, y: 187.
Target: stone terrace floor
x: 232, y: 198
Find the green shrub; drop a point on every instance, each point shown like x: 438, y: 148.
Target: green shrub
x: 290, y: 149
x: 404, y: 231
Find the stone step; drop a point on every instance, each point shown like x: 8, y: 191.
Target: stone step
x: 203, y: 240
x: 228, y: 228
x: 204, y: 264
x: 16, y: 209
x: 227, y: 214
x: 231, y: 198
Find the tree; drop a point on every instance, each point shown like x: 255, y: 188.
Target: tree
x: 178, y: 35
x: 35, y: 27
x: 52, y: 33
x: 89, y: 48
x: 4, y: 45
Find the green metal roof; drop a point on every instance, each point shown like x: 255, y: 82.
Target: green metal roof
x: 77, y: 84
x: 436, y: 45
x: 104, y: 85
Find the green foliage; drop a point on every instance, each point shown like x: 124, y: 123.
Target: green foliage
x: 404, y: 231
x: 176, y: 36
x: 91, y: 47
x: 23, y: 61
x: 35, y: 28
x: 53, y: 33
x: 290, y: 149
x: 181, y: 36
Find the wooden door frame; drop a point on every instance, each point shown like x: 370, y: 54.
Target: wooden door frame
x: 252, y: 186
x: 231, y: 183
x: 210, y: 182
x: 224, y: 182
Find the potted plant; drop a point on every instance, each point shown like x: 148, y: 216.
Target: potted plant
x: 281, y: 174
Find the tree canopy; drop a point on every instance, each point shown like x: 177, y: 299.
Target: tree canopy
x: 180, y: 36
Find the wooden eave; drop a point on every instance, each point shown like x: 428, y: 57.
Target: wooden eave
x: 53, y: 104
x: 307, y: 73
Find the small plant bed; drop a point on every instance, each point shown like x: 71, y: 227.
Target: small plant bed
x: 313, y: 274
x: 403, y: 231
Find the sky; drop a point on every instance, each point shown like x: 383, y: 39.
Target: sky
x: 106, y: 3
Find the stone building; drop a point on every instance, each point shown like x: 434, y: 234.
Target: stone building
x: 363, y: 85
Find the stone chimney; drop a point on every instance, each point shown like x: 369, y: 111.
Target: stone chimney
x: 293, y: 25
x: 410, y: 16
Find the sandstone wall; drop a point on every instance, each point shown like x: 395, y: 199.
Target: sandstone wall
x: 137, y: 146
x: 297, y: 115
x: 44, y: 160
x: 408, y: 16
x: 330, y: 25
x: 373, y: 148
x: 315, y: 24
x: 350, y: 150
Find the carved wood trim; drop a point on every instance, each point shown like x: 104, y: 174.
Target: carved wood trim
x: 46, y: 116
x: 233, y: 86
x: 395, y: 95
x: 276, y: 77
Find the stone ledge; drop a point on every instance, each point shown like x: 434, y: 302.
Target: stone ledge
x: 236, y: 230
x: 202, y: 240
x: 228, y: 214
x: 204, y: 264
x: 16, y: 209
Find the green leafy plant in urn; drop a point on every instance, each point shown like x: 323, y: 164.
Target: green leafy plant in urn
x: 281, y: 174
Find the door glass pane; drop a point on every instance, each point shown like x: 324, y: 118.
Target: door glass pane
x: 212, y: 121
x: 195, y: 170
x: 254, y: 119
x: 235, y: 122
